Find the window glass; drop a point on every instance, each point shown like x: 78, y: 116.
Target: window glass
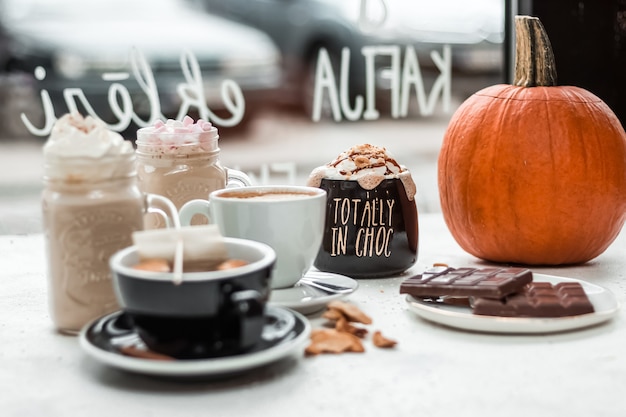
x: 289, y: 83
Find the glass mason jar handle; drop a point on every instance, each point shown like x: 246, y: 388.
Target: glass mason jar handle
x: 236, y: 179
x: 163, y: 207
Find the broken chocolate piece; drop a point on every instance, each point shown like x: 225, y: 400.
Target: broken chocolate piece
x: 538, y: 299
x: 466, y: 282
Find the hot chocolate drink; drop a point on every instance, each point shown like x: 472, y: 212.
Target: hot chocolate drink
x: 81, y: 236
x: 91, y: 205
x: 371, y: 227
x: 180, y: 160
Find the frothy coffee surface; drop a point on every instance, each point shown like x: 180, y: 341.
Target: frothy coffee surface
x: 368, y: 165
x: 271, y: 195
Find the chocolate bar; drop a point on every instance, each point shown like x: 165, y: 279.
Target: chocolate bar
x: 467, y: 282
x: 538, y: 299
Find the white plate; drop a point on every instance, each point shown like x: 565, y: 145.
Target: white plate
x: 98, y: 344
x: 307, y: 299
x: 603, y: 301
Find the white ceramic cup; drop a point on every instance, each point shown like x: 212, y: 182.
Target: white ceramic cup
x: 288, y: 218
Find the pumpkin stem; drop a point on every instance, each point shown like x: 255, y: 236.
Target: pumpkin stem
x: 534, y: 60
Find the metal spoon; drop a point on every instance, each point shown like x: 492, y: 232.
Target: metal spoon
x: 325, y: 286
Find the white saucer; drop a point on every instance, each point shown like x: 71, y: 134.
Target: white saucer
x: 286, y: 333
x: 307, y: 299
x: 604, y: 302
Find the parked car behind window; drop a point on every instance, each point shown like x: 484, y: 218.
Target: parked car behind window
x: 74, y: 43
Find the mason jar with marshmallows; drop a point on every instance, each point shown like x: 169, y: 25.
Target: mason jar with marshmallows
x: 180, y: 160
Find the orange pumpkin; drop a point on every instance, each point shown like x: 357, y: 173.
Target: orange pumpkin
x: 533, y: 173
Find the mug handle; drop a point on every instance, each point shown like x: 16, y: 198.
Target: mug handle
x: 164, y: 207
x: 193, y: 207
x: 249, y: 306
x: 236, y: 179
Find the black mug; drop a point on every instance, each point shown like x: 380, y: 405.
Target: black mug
x: 368, y: 233
x: 208, y: 314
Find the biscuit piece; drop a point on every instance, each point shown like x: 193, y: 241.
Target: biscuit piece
x: 343, y: 325
x: 333, y: 341
x: 154, y: 265
x: 381, y: 341
x: 231, y: 263
x: 332, y: 314
x: 136, y: 352
x: 352, y: 312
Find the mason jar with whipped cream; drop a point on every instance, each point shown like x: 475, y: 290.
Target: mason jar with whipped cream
x: 91, y: 205
x: 371, y: 226
x: 180, y: 160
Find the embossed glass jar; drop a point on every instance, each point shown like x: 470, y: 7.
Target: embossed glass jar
x: 182, y: 167
x: 89, y: 213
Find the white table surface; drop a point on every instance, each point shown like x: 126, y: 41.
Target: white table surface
x: 433, y: 371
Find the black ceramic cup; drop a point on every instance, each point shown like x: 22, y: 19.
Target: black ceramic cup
x: 208, y: 314
x: 368, y: 233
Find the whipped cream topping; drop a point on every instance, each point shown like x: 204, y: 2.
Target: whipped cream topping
x: 75, y: 136
x: 368, y: 165
x: 362, y: 160
x: 84, y: 149
x: 176, y: 136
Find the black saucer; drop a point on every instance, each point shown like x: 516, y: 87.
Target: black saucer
x: 285, y: 332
